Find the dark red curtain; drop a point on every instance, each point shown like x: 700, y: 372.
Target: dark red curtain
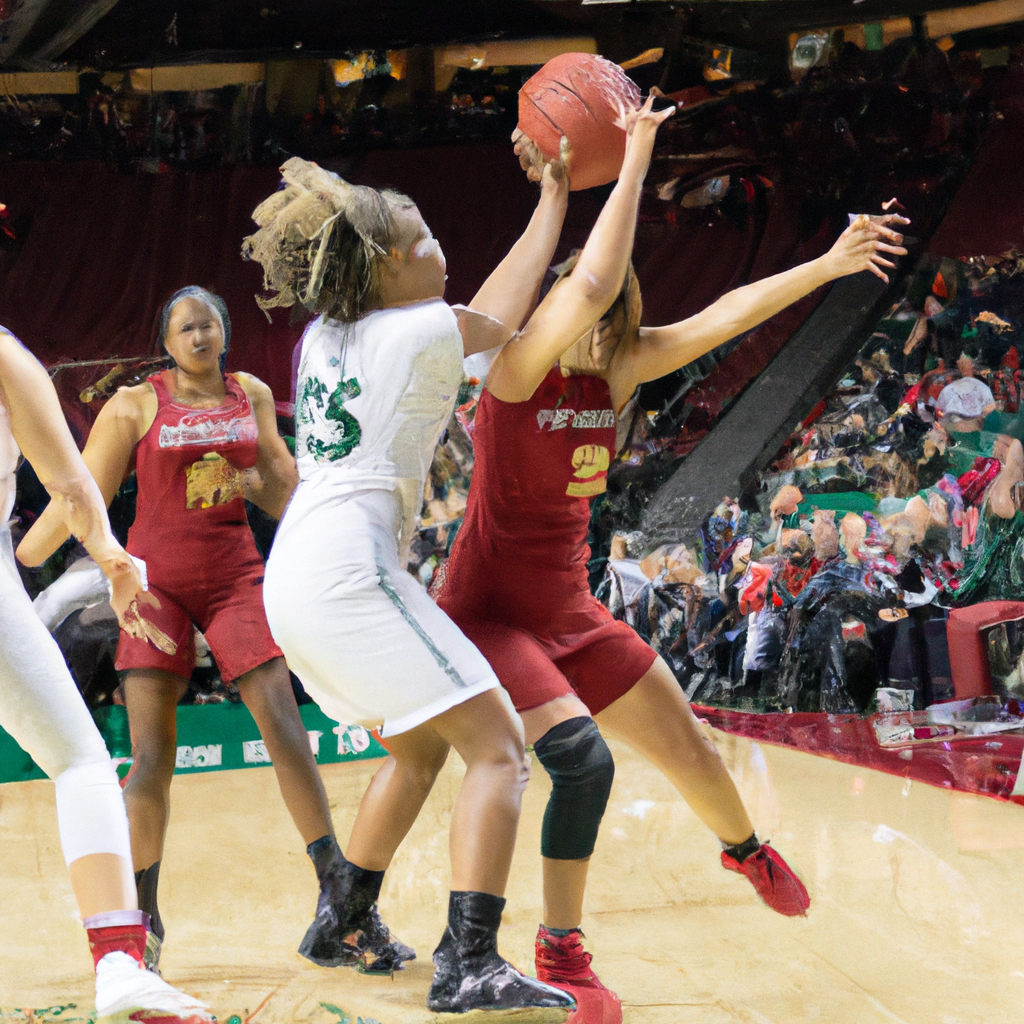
x: 96, y: 252
x: 987, y: 216
x: 99, y: 252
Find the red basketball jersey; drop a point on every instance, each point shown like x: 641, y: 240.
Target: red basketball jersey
x: 190, y: 514
x: 537, y: 464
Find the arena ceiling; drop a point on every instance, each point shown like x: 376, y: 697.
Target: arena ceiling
x: 41, y: 35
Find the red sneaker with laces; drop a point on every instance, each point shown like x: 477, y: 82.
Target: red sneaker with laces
x: 775, y: 881
x: 563, y: 962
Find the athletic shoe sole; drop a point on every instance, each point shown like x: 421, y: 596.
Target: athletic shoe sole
x: 522, y: 1015
x: 364, y: 961
x: 141, y: 1016
x: 593, y: 1005
x: 379, y: 967
x: 340, y: 961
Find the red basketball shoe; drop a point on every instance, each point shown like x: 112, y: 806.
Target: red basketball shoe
x: 775, y: 881
x: 563, y: 962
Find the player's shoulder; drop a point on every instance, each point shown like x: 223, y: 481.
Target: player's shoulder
x: 130, y: 402
x: 250, y: 383
x: 441, y: 314
x: 256, y: 391
x: 132, y: 393
x: 10, y: 344
x: 430, y: 330
x: 16, y: 361
x: 428, y: 316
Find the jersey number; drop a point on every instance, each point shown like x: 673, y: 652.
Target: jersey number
x: 345, y: 430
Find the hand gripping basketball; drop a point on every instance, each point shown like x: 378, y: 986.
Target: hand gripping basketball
x: 587, y: 100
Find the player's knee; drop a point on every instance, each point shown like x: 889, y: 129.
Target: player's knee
x: 576, y: 757
x: 419, y: 775
x: 507, y: 749
x: 432, y: 765
x: 519, y: 772
x: 90, y: 810
x: 88, y: 770
x: 152, y: 765
x: 512, y: 758
x: 524, y: 769
x: 510, y: 762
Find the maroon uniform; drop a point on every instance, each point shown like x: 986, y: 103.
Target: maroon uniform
x: 516, y: 582
x: 191, y: 530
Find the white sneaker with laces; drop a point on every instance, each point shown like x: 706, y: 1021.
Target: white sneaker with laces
x: 126, y: 991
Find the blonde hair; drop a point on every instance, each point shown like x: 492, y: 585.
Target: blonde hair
x: 624, y: 314
x: 321, y: 242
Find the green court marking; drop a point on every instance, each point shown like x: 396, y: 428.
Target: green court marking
x: 337, y: 1011
x: 344, y: 1018
x: 57, y: 1014
x: 211, y: 737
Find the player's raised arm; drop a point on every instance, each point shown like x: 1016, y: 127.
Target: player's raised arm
x: 864, y: 245
x: 576, y: 304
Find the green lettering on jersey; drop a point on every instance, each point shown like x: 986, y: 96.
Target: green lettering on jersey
x: 345, y: 430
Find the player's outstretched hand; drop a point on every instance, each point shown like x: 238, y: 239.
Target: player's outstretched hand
x: 641, y: 128
x: 128, y: 597
x: 865, y: 243
x: 643, y: 124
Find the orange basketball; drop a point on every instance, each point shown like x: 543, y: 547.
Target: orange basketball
x: 586, y: 99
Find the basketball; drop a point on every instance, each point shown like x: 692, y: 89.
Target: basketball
x: 585, y: 98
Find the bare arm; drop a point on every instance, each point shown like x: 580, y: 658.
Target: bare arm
x: 276, y: 476
x: 661, y: 350
x: 575, y: 306
x: 44, y: 439
x: 510, y: 293
x: 106, y: 458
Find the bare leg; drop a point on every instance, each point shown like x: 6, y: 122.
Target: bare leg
x: 565, y: 883
x: 152, y: 700
x: 102, y: 882
x: 469, y: 974
x: 655, y: 718
x: 267, y: 693
x: 394, y: 798
x: 488, y: 736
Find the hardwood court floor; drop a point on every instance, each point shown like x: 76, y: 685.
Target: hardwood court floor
x: 916, y: 913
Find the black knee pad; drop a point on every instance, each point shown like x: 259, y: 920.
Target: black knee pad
x: 580, y: 764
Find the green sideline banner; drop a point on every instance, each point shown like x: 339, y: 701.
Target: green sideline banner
x: 211, y: 738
